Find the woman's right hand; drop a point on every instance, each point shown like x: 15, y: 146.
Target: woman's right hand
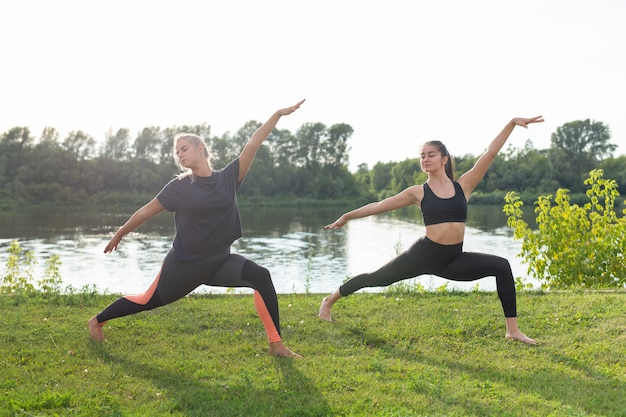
x: 340, y: 222
x: 112, y: 245
x: 148, y: 211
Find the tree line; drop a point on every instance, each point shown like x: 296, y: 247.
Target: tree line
x: 310, y: 163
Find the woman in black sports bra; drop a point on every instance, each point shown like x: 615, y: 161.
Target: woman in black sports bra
x: 443, y: 202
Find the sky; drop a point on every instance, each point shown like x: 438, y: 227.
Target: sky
x: 399, y: 72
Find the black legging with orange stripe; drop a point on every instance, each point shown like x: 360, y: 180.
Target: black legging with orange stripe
x: 178, y: 278
x: 446, y: 261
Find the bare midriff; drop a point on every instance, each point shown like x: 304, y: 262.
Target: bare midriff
x: 446, y: 233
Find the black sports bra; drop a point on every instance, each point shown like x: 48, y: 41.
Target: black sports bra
x: 444, y: 210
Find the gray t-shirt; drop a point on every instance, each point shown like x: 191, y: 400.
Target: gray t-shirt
x: 206, y: 212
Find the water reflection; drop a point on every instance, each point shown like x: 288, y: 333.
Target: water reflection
x: 290, y: 242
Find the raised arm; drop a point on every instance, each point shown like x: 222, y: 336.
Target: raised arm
x: 471, y: 178
x: 405, y: 198
x: 256, y: 140
x: 138, y: 218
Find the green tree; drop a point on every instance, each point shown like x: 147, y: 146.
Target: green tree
x: 261, y: 179
x: 405, y: 174
x: 522, y: 169
x: 309, y: 138
x: 239, y: 139
x: 336, y: 145
x: 148, y: 142
x: 616, y: 168
x: 45, y: 171
x: 381, y: 175
x: 283, y: 145
x: 576, y: 148
x: 49, y: 135
x: 222, y: 148
x: 14, y: 149
x: 81, y: 144
x: 116, y: 146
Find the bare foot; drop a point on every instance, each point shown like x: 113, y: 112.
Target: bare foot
x: 325, y: 308
x: 517, y: 335
x: 513, y: 332
x: 95, y: 329
x: 281, y: 351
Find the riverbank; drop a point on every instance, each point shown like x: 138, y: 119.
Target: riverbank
x: 134, y: 201
x: 385, y: 355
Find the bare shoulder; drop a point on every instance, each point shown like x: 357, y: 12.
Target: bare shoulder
x: 416, y: 192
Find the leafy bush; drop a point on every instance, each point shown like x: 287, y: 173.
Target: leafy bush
x: 18, y: 277
x: 573, y: 246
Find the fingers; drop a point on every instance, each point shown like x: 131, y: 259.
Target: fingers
x: 110, y: 247
x: 536, y: 119
x: 293, y: 108
x: 335, y: 225
x: 525, y: 122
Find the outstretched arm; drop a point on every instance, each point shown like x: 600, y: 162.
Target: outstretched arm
x: 405, y: 198
x: 142, y: 215
x: 256, y: 140
x: 471, y: 178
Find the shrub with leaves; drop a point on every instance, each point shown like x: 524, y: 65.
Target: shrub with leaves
x: 573, y: 246
x: 18, y: 275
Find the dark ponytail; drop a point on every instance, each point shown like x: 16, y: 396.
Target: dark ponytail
x: 444, y: 152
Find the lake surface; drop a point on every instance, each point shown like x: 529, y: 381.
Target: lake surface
x: 291, y: 242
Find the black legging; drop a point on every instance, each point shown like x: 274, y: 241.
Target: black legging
x: 179, y: 278
x: 446, y: 261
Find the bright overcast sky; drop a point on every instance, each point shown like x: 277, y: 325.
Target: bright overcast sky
x: 398, y: 72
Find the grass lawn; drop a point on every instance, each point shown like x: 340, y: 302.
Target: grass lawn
x: 404, y: 354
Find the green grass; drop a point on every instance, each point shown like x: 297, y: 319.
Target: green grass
x: 430, y: 354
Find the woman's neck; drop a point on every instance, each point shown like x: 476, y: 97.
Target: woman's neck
x: 202, y: 171
x: 438, y: 178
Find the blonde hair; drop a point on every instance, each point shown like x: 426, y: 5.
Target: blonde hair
x: 195, y: 141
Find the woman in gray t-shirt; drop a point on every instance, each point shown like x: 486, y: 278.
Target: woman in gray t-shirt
x: 207, y: 221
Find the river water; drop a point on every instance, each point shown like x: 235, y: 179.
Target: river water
x: 291, y: 242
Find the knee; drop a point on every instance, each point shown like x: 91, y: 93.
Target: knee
x: 255, y: 273
x: 503, y: 268
x: 502, y: 263
x: 264, y: 274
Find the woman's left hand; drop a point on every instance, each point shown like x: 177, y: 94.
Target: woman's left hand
x: 289, y: 110
x: 520, y: 121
